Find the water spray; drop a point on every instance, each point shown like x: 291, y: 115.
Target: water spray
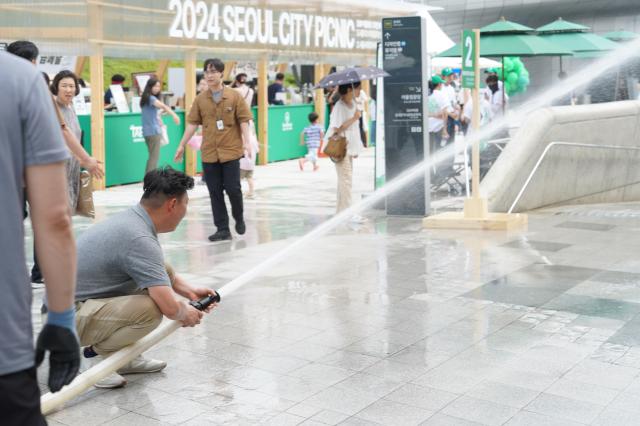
x: 51, y: 402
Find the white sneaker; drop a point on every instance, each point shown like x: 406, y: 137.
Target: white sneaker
x: 143, y: 365
x: 357, y: 219
x: 112, y: 381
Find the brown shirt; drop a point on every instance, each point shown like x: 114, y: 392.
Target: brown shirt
x: 220, y: 145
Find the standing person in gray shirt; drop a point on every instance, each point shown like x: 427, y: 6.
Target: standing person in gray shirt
x: 151, y: 122
x: 33, y: 154
x: 124, y: 285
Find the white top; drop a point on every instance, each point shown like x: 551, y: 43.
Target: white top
x: 361, y: 101
x: 452, y: 98
x: 340, y: 114
x: 438, y: 101
x: 246, y: 92
x: 495, y: 99
x: 485, y: 112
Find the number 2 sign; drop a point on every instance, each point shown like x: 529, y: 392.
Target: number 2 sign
x: 468, y: 58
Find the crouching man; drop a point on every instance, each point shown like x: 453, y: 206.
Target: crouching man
x: 124, y: 286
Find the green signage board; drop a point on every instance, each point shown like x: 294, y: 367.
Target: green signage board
x: 126, y: 152
x: 468, y: 59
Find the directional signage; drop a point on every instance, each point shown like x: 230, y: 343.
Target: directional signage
x: 468, y: 59
x: 405, y: 98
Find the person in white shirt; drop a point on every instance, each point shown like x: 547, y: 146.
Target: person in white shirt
x: 453, y: 110
x: 496, y: 97
x: 485, y: 111
x: 438, y: 107
x: 343, y: 121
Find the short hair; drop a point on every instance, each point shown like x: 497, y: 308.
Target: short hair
x: 214, y: 63
x: 118, y: 78
x: 356, y: 84
x: 164, y: 183
x: 24, y: 49
x: 61, y: 75
x: 492, y: 79
x: 279, y: 76
x: 313, y: 117
x: 240, y: 76
x: 343, y: 89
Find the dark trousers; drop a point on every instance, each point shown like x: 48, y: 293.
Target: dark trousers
x: 20, y: 399
x: 36, y: 274
x: 35, y: 271
x: 221, y: 178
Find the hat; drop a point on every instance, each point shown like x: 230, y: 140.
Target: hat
x: 436, y: 79
x: 446, y: 72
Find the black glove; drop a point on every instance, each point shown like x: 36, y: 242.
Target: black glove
x: 64, y: 354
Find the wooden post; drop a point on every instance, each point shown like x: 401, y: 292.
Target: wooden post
x: 263, y: 112
x: 97, y: 113
x: 228, y: 67
x: 282, y: 68
x: 80, y: 65
x: 161, y: 70
x: 96, y: 69
x: 476, y: 207
x: 190, y: 156
x: 319, y: 102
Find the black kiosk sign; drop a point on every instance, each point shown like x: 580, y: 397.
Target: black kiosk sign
x: 405, y: 101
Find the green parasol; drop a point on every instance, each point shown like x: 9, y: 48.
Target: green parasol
x: 507, y: 38
x: 621, y: 36
x: 576, y: 38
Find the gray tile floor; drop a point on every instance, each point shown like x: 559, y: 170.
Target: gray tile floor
x: 391, y: 324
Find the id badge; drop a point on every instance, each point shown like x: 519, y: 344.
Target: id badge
x: 220, y: 125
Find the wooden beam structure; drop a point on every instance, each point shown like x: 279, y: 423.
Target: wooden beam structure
x: 96, y: 67
x: 319, y: 103
x: 80, y: 62
x: 162, y: 69
x: 263, y: 112
x: 228, y: 68
x: 282, y: 68
x: 190, y: 155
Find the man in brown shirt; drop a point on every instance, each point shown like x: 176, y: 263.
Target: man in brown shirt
x: 224, y: 117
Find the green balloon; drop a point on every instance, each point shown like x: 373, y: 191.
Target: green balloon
x: 512, y: 78
x: 508, y: 64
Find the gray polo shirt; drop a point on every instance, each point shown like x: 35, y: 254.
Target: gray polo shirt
x: 120, y: 256
x: 29, y: 136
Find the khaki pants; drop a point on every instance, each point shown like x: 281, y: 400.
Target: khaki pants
x: 153, y: 146
x: 344, y: 169
x: 112, y: 323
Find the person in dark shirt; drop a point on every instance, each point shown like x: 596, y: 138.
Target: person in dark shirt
x: 115, y: 79
x: 274, y: 88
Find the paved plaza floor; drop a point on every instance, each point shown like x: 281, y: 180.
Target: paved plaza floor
x: 388, y: 323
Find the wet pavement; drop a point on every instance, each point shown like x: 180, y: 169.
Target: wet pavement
x: 388, y: 323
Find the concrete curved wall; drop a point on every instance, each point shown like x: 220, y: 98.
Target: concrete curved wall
x: 569, y: 175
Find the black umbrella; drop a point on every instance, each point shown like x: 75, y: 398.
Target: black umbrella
x: 351, y: 75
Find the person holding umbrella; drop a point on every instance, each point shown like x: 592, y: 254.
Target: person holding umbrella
x: 344, y: 120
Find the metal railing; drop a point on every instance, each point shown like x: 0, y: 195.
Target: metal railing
x: 572, y: 144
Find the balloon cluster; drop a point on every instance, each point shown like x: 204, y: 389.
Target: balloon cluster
x: 515, y: 76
